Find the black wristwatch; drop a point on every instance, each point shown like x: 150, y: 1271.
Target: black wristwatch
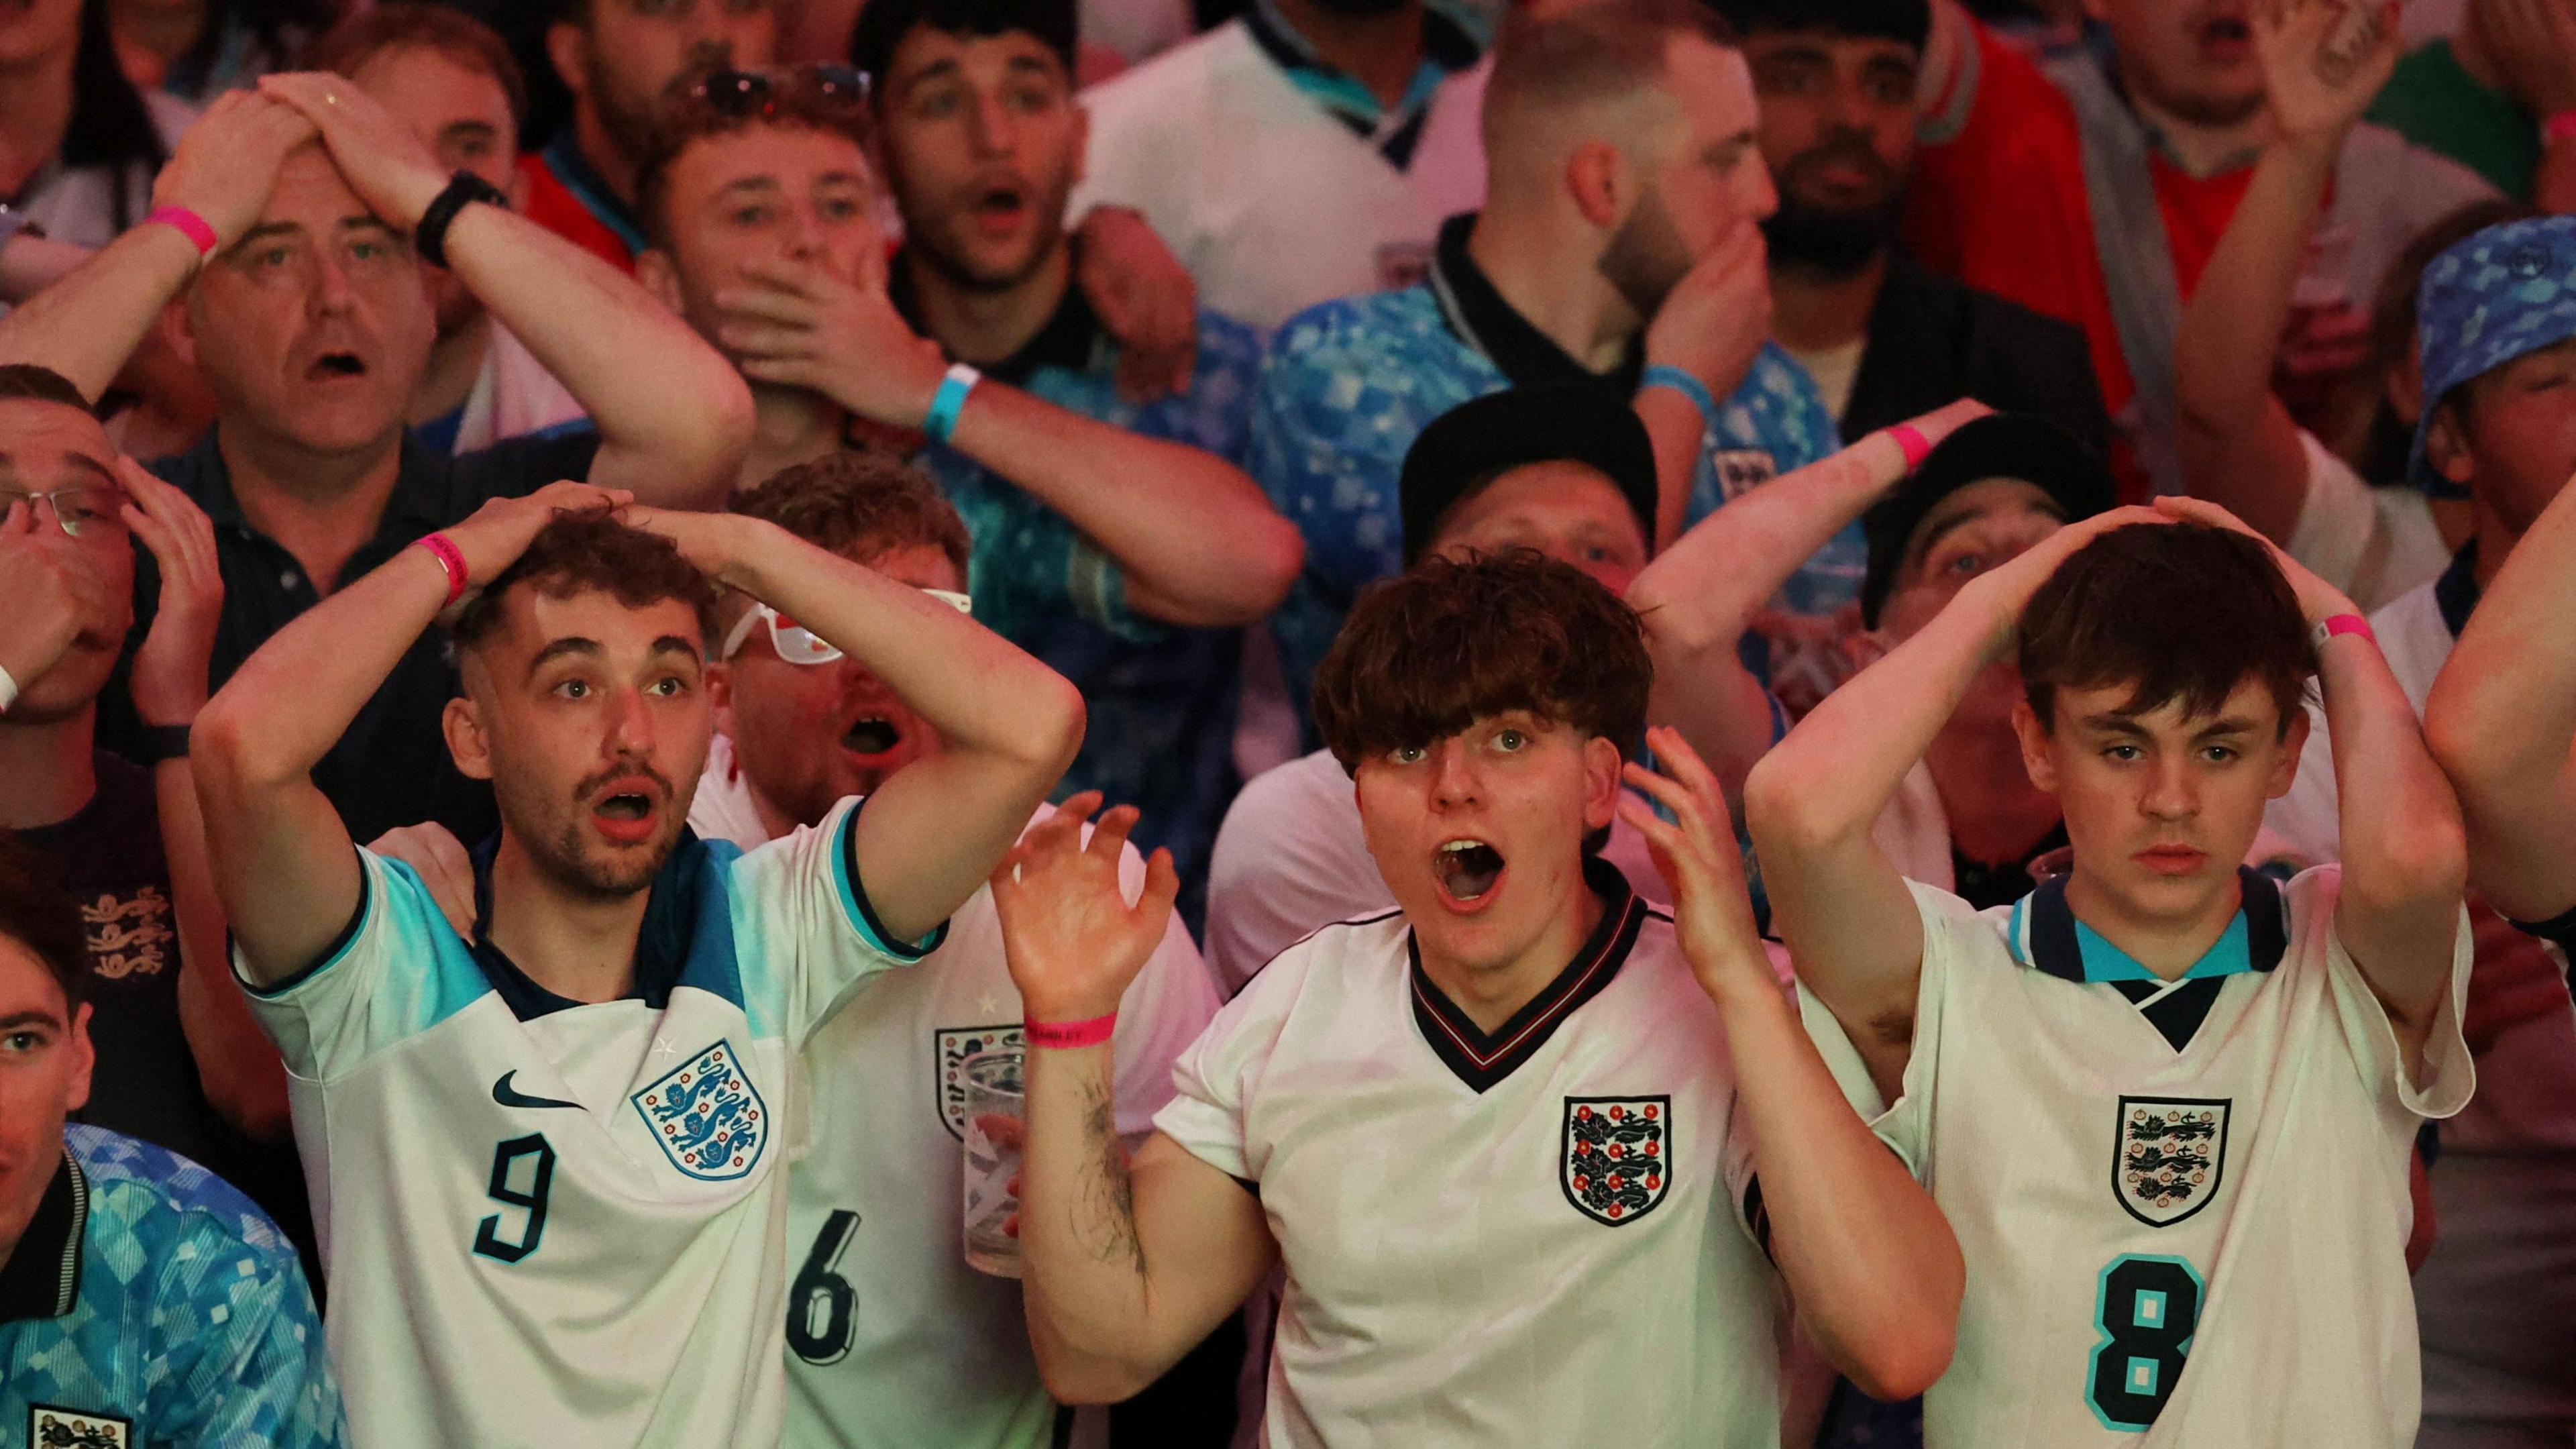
x: 155, y: 744
x: 463, y: 190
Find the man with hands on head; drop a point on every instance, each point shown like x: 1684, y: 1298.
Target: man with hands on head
x: 1519, y: 1048
x: 2167, y: 1105
x: 531, y: 1143
x: 180, y: 1059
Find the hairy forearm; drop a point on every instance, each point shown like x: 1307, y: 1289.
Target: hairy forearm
x: 1869, y: 1260
x: 87, y: 324
x: 1199, y: 544
x: 1086, y: 1289
x: 238, y: 1067
x: 673, y: 416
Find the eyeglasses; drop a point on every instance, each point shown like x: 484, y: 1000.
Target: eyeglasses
x: 742, y: 93
x: 797, y: 644
x: 77, y: 509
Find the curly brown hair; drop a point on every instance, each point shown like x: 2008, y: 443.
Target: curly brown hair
x: 2178, y: 612
x: 586, y: 551
x: 859, y: 505
x: 686, y: 117
x: 1425, y: 655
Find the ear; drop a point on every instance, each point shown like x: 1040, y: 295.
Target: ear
x: 467, y: 740
x: 2034, y: 737
x: 84, y: 1058
x: 661, y: 277
x: 720, y: 695
x: 2285, y: 770
x: 568, y: 51
x: 2446, y: 445
x: 2404, y: 387
x: 1601, y: 763
x: 1596, y: 176
x: 178, y: 328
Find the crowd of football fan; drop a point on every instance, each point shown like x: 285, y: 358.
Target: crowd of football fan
x: 1322, y: 722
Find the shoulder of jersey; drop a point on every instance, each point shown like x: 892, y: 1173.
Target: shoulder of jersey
x: 131, y: 1181
x: 1171, y: 75
x: 1359, y: 933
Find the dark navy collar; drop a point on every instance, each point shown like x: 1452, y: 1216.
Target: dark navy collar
x: 2455, y: 593
x: 1475, y: 310
x: 2045, y: 935
x: 686, y: 933
x: 41, y: 1277
x: 563, y: 157
x: 1447, y: 48
x: 1481, y: 1058
x: 1072, y: 338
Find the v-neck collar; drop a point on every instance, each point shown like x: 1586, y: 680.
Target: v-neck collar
x: 1480, y: 1058
x: 685, y: 922
x: 2045, y: 935
x: 1447, y: 48
x: 41, y: 1278
x: 1474, y: 309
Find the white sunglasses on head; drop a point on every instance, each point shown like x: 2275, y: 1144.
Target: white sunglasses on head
x: 799, y: 645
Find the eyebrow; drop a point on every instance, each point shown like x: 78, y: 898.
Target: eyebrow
x: 1957, y: 521
x: 469, y: 128
x: 557, y: 649
x: 1731, y: 147
x: 106, y: 474
x: 19, y: 1020
x: 674, y: 644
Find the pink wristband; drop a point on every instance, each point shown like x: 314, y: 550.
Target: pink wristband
x: 1911, y: 442
x: 2560, y: 126
x: 448, y: 559
x: 2344, y: 624
x: 189, y: 224
x: 1069, y: 1035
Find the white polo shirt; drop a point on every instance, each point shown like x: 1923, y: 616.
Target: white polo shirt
x: 1273, y: 203
x: 1533, y: 1236
x: 2183, y: 1205
x: 891, y: 1339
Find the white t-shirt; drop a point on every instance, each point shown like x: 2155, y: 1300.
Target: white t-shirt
x: 1290, y: 860
x: 513, y: 396
x: 1529, y: 1238
x: 1835, y: 370
x: 2180, y: 1228
x: 891, y: 1339
x: 2373, y: 544
x: 1272, y: 203
x: 569, y: 1228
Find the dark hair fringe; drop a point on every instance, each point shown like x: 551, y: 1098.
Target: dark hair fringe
x: 1907, y: 22
x: 580, y: 552
x: 1426, y: 654
x: 110, y: 125
x: 2179, y: 612
x: 37, y: 913
x: 35, y: 382
x: 882, y: 25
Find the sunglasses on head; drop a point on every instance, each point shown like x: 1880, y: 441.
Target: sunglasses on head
x: 740, y: 93
x: 797, y: 644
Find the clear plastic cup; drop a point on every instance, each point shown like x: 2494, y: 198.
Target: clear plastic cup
x: 993, y: 1089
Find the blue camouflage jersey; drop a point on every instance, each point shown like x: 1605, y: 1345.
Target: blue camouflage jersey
x: 150, y: 1303
x: 1161, y: 698
x: 1349, y: 384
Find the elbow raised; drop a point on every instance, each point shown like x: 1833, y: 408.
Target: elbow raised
x: 1084, y: 1378
x: 1902, y: 1365
x: 1279, y: 554
x: 229, y: 745
x: 1781, y: 813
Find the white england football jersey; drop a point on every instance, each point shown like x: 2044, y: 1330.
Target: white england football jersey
x: 2183, y: 1205
x: 891, y: 1339
x: 553, y: 1224
x: 1534, y: 1236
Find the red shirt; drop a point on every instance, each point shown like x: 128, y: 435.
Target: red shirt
x: 562, y: 210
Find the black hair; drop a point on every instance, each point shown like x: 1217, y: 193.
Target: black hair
x: 883, y: 24
x: 37, y: 914
x: 34, y: 382
x: 1908, y: 22
x: 110, y: 125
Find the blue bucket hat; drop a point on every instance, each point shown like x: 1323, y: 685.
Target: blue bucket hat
x: 2501, y: 293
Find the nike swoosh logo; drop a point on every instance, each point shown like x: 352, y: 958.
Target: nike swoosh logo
x: 503, y: 1094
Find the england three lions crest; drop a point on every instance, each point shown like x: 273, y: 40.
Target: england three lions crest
x: 1615, y: 1158
x: 707, y: 1115
x: 52, y: 1428
x: 2170, y: 1156
x: 956, y: 1044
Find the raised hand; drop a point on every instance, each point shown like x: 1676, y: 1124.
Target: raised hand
x: 796, y: 324
x: 1941, y: 422
x: 2318, y: 600
x: 383, y: 159
x: 1697, y: 856
x: 494, y: 536
x: 1715, y: 320
x: 2007, y: 589
x: 169, y: 681
x: 2323, y: 63
x: 709, y: 541
x: 54, y: 597
x: 1072, y: 939
x: 1146, y: 300
x: 226, y: 164
x: 442, y: 865
x: 2535, y: 43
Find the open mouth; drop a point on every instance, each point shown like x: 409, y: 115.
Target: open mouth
x: 331, y: 365
x: 1001, y: 206
x: 2226, y: 30
x: 871, y: 735
x: 1467, y: 868
x: 626, y: 807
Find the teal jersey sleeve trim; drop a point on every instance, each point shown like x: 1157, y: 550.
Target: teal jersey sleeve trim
x: 854, y: 897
